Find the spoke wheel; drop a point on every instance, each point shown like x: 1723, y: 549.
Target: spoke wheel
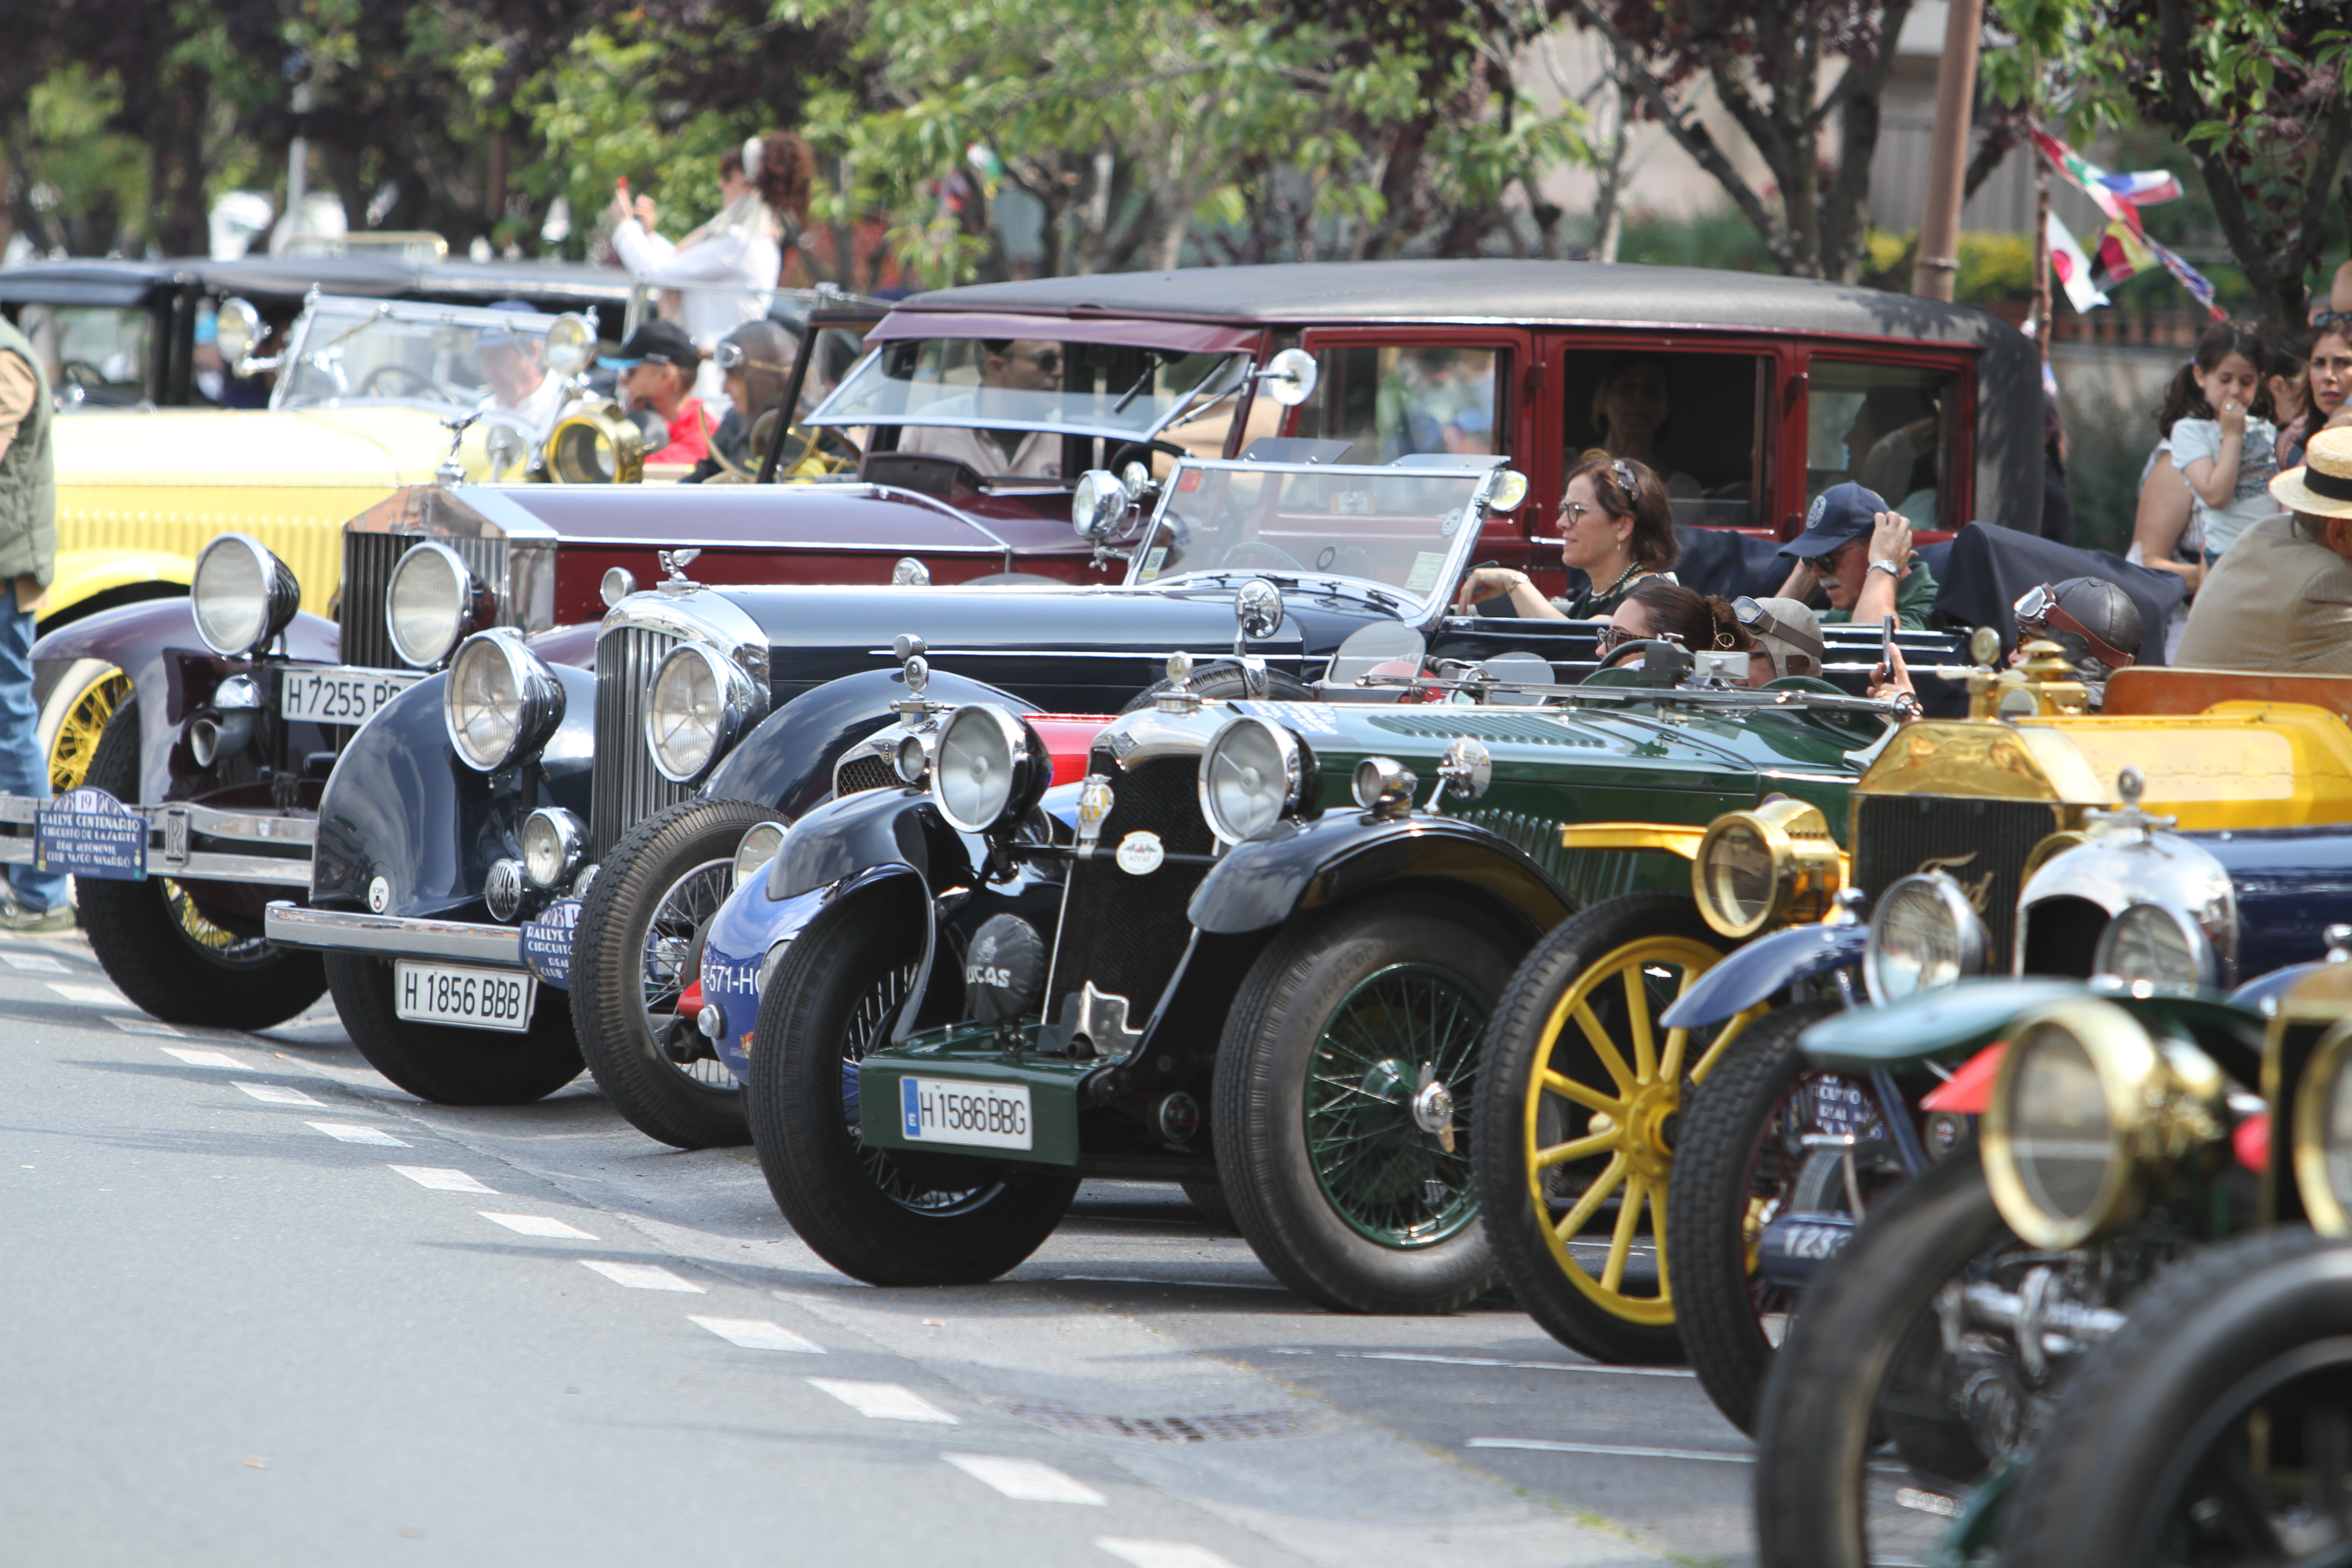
x: 74, y: 717
x: 1579, y: 1114
x: 671, y: 956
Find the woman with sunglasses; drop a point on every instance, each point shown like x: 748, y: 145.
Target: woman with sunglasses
x: 1614, y: 527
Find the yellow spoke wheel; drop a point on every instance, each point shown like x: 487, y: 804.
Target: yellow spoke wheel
x: 1579, y: 1105
x: 81, y: 706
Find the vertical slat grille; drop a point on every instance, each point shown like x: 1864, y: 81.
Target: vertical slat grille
x: 628, y: 790
x: 1126, y: 932
x: 1983, y: 843
x: 368, y: 561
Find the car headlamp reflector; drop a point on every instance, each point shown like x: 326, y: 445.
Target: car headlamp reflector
x: 987, y: 763
x: 498, y: 700
x: 2088, y: 1112
x: 2323, y: 1132
x: 1923, y: 935
x: 699, y: 704
x: 596, y: 444
x: 430, y: 604
x: 553, y: 840
x: 242, y: 595
x: 1775, y: 862
x: 759, y: 844
x: 2151, y: 943
x: 910, y: 760
x: 1252, y: 775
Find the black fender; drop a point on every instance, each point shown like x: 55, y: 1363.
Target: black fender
x: 841, y: 838
x: 401, y: 804
x: 787, y: 760
x: 1764, y: 967
x: 172, y: 673
x: 1264, y: 881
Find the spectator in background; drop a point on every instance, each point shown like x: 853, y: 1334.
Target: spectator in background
x: 514, y: 368
x: 1007, y: 365
x: 1656, y: 607
x: 2288, y: 381
x: 756, y: 360
x: 1892, y: 448
x: 2327, y: 379
x: 2057, y: 509
x: 1630, y: 409
x: 2282, y: 601
x: 2223, y: 440
x: 1857, y: 551
x: 30, y: 901
x: 658, y: 367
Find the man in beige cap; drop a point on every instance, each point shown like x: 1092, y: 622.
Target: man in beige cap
x: 2280, y: 598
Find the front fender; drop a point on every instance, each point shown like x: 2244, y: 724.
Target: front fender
x: 749, y: 933
x: 402, y: 805
x: 1970, y: 1014
x: 1766, y: 965
x: 1265, y: 881
x: 873, y: 827
x: 787, y: 761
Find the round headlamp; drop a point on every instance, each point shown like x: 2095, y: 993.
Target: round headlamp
x: 760, y: 842
x: 1923, y: 935
x: 699, y: 704
x: 987, y: 763
x: 431, y: 604
x: 2323, y: 1132
x: 498, y: 700
x: 2088, y: 1112
x: 2149, y: 943
x: 570, y: 344
x: 553, y: 840
x: 508, y: 450
x: 596, y: 444
x: 1254, y: 774
x: 910, y: 760
x: 1754, y: 867
x: 242, y: 595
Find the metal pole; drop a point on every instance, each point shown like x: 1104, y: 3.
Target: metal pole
x: 1955, y: 93
x: 2043, y: 301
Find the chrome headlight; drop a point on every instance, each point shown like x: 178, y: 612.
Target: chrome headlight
x: 498, y: 700
x: 910, y: 760
x: 699, y: 704
x: 1254, y: 774
x: 553, y: 840
x: 1923, y: 935
x: 986, y: 763
x: 2323, y: 1133
x: 242, y: 595
x: 2089, y: 1114
x: 1753, y: 867
x: 2152, y: 944
x: 759, y: 844
x: 431, y: 604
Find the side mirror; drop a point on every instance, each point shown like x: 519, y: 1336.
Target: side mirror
x: 1289, y: 377
x: 236, y: 332
x: 1257, y: 610
x: 1097, y: 505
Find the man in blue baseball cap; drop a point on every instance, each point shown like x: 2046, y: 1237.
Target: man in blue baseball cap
x: 1857, y: 551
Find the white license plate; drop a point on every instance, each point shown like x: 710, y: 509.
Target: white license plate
x: 469, y: 998
x: 958, y: 1111
x: 338, y: 694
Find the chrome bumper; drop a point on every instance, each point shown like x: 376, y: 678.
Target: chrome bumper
x: 195, y: 842
x: 402, y: 936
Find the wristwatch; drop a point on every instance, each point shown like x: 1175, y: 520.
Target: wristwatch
x: 1888, y: 567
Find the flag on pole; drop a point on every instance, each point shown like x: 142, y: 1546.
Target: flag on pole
x: 2122, y: 215
x: 2074, y: 269
x: 2123, y: 253
x: 2196, y: 282
x: 2144, y: 190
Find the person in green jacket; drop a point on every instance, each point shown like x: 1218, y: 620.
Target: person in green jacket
x: 30, y: 901
x: 1857, y: 551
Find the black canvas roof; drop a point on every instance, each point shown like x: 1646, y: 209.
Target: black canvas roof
x: 555, y: 285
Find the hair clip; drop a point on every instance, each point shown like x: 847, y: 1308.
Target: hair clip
x: 1624, y: 472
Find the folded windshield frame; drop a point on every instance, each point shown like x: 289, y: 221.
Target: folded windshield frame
x: 878, y: 390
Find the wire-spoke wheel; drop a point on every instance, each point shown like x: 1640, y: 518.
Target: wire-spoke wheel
x: 1341, y: 1108
x: 73, y: 719
x: 1578, y: 1116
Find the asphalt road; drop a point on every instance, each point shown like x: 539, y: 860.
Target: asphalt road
x: 262, y: 1308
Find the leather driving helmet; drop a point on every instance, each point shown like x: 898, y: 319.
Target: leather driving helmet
x: 2090, y: 617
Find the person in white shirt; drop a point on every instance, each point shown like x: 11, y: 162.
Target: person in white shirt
x: 724, y: 273
x: 1020, y: 364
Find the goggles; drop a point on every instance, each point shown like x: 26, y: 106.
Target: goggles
x: 729, y: 355
x: 1762, y: 623
x: 2039, y: 606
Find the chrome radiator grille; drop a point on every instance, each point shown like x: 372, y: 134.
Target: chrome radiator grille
x: 628, y: 789
x: 368, y: 561
x: 1983, y: 843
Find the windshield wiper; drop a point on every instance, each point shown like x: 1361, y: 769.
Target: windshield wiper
x: 1150, y: 369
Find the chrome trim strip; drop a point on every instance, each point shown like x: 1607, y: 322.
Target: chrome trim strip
x: 469, y: 941
x: 697, y: 614
x: 254, y: 826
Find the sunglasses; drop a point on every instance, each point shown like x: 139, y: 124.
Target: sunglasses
x: 2330, y: 317
x: 1613, y: 636
x: 1047, y: 361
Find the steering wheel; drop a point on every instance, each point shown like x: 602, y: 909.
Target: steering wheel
x: 81, y: 373
x: 1270, y: 556
x: 1128, y: 451
x: 422, y: 383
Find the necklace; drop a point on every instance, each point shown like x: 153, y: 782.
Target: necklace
x: 1635, y: 570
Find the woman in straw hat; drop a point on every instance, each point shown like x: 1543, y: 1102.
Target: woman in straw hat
x: 2280, y: 599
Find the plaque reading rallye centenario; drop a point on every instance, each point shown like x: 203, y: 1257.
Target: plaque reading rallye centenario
x: 547, y: 943
x: 87, y: 832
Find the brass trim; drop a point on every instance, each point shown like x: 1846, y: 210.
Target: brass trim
x: 2328, y: 1059
x: 1804, y: 865
x: 1673, y: 838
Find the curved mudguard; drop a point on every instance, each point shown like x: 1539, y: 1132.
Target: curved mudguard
x: 787, y: 760
x: 1264, y: 881
x: 401, y: 806
x: 750, y: 930
x: 172, y: 673
x: 1764, y: 967
x: 2263, y: 994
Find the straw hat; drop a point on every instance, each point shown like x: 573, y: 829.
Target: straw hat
x: 2323, y: 486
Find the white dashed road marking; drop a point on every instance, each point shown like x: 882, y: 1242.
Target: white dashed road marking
x: 1025, y: 1481
x: 640, y: 1276
x: 1520, y: 1365
x: 143, y: 1026
x: 1160, y: 1553
x: 1548, y: 1446
x: 270, y: 1094
x: 1192, y: 1284
x: 34, y: 963
x: 442, y: 1181
x: 756, y: 1335
x: 536, y: 1225
x: 90, y: 995
x: 205, y: 1058
x: 351, y: 1132
x: 883, y: 1401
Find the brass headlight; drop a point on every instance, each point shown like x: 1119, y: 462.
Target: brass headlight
x: 2090, y: 1115
x: 2323, y: 1133
x: 1774, y: 863
x: 596, y: 444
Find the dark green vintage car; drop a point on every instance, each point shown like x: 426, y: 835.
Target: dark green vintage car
x: 1255, y: 952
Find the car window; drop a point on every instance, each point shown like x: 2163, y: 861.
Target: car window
x: 1886, y: 425
x: 1691, y: 417
x: 1392, y: 399
x: 1111, y: 390
x: 100, y: 349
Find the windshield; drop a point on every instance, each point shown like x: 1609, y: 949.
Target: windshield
x: 93, y: 353
x: 1404, y: 529
x: 1111, y: 390
x: 452, y: 359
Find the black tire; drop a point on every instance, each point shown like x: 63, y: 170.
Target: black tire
x: 885, y: 1217
x: 2148, y: 1459
x: 638, y: 940
x: 1862, y: 1361
x: 1208, y: 1199
x: 1224, y: 683
x: 1734, y: 1169
x: 449, y: 1066
x: 161, y: 948
x: 1651, y: 935
x: 1384, y: 1243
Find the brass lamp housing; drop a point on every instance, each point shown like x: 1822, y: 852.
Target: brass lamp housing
x: 572, y: 446
x: 2323, y: 1197
x: 1788, y: 843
